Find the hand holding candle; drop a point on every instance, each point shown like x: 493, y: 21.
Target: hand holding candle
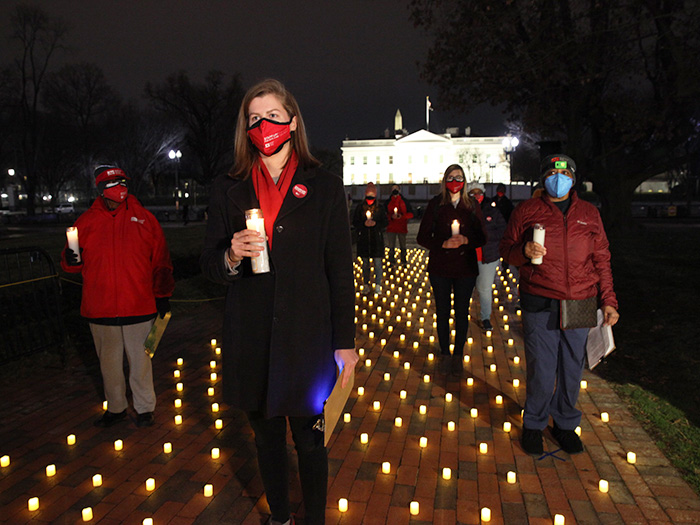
x: 455, y: 227
x: 535, y: 249
x: 254, y: 221
x: 73, y: 244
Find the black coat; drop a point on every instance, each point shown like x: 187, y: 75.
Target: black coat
x: 281, y: 328
x: 370, y: 240
x: 495, y: 228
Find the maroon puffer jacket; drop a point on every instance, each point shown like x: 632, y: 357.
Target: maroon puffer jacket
x: 577, y: 264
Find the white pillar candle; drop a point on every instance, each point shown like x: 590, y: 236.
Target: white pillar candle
x: 386, y: 467
x: 485, y: 514
x: 167, y: 447
x: 447, y: 473
x: 402, y: 394
x: 347, y: 417
x: 631, y: 457
x: 483, y: 448
x: 538, y: 237
x: 118, y: 444
x: 150, y: 484
x: 343, y: 505
x: 72, y: 237
x: 219, y: 424
x: 97, y: 480
x: 398, y: 422
x: 70, y: 439
x: 448, y: 397
x: 50, y: 470
x: 451, y: 426
x: 455, y: 227
x: 178, y: 419
x: 87, y: 514
x: 368, y: 214
x: 603, y: 486
x: 506, y: 426
x: 414, y: 508
x: 5, y: 461
x: 208, y: 490
x: 364, y: 438
x: 33, y: 504
x: 516, y: 383
x: 559, y: 519
x: 215, y: 453
x: 511, y: 477
x: 474, y: 412
x: 604, y: 417
x: 254, y: 221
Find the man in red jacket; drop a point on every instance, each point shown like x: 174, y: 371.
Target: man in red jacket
x: 127, y: 280
x: 575, y: 265
x: 398, y: 211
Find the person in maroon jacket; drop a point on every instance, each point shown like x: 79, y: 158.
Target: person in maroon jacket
x: 452, y: 229
x: 127, y: 280
x: 399, y: 211
x: 575, y: 265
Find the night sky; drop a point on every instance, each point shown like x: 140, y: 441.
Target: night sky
x: 350, y: 63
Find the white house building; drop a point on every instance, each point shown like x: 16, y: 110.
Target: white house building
x: 421, y: 158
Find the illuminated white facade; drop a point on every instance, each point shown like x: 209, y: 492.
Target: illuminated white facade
x: 422, y: 157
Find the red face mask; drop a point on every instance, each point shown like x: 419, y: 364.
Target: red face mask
x: 116, y: 193
x: 500, y: 193
x: 454, y: 186
x: 479, y: 197
x: 269, y: 136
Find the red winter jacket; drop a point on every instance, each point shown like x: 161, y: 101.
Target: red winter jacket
x: 577, y: 264
x: 404, y: 212
x: 125, y: 261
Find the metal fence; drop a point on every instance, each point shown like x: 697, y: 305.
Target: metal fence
x: 30, y: 307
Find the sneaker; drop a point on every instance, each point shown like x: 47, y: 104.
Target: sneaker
x: 486, y: 324
x: 110, y: 418
x: 568, y: 440
x: 144, y: 420
x: 531, y: 441
x: 378, y: 289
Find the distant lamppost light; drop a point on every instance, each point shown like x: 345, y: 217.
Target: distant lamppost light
x: 176, y: 155
x: 509, y: 144
x: 11, y: 172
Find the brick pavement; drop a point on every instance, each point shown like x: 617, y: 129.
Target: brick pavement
x: 39, y: 413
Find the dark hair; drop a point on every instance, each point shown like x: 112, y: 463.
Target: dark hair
x: 445, y: 193
x: 245, y: 153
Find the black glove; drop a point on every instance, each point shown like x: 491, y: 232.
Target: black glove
x: 72, y: 257
x: 162, y: 305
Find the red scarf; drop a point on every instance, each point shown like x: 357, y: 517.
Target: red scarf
x: 271, y: 195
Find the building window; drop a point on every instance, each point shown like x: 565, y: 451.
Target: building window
x: 475, y: 158
x: 461, y: 158
x: 377, y: 159
x: 391, y: 178
x: 391, y: 159
x: 364, y: 160
x: 352, y: 161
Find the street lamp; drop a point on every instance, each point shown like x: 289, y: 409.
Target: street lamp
x: 509, y: 144
x: 176, y: 155
x: 11, y: 172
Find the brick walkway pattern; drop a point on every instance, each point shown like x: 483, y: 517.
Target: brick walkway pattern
x: 398, y: 469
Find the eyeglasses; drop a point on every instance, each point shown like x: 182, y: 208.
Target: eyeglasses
x: 457, y: 178
x: 116, y: 182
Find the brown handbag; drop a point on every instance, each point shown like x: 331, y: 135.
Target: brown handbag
x: 578, y: 313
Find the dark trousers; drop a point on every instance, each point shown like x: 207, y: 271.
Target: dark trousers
x: 555, y: 361
x: 462, y: 289
x: 271, y: 443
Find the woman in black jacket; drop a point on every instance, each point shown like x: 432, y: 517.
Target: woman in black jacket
x: 284, y: 330
x: 452, y: 228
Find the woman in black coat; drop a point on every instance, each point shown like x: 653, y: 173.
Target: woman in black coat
x: 284, y: 330
x: 452, y: 228
x: 369, y: 222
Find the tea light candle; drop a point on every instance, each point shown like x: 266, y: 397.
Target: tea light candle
x: 423, y: 442
x: 396, y: 354
x: 180, y: 361
x: 178, y: 419
x: 210, y: 391
x: 603, y: 486
x: 208, y: 490
x: 584, y: 384
x: 499, y: 400
x: 474, y: 413
x: 506, y: 327
x: 415, y: 343
x: 559, y: 519
x: 217, y: 351
x: 426, y: 378
x: 398, y: 422
x: 470, y: 340
x: 118, y: 444
x: 361, y: 351
x: 371, y: 335
x: 347, y: 417
x: 360, y: 390
x: 492, y: 367
x: 176, y: 373
x: 387, y: 376
x: 376, y: 405
x: 343, y: 505
x: 402, y: 337
x: 33, y: 504
x: 488, y: 333
x: 510, y: 342
x: 167, y: 447
x: 104, y: 405
x: 5, y: 461
x: 215, y: 407
x: 407, y: 365
x: 87, y: 514
x: 402, y: 394
x: 470, y: 381
x: 451, y: 426
x: 215, y: 453
x: 578, y: 431
x: 489, y: 349
x: 447, y: 473
x: 50, y: 470
x: 97, y: 480
x: 516, y: 360
x: 604, y: 417
x: 150, y: 484
x: 506, y: 426
x: 364, y: 438
x: 485, y: 514
x: 213, y: 342
x: 368, y: 362
x: 386, y: 467
x: 631, y: 457
x: 178, y: 402
x: 219, y: 424
x: 467, y: 358
x: 432, y: 339
x: 147, y: 521
x: 213, y: 376
x: 516, y: 383
x: 70, y: 439
x: 212, y: 364
x: 448, y: 397
x: 414, y: 508
x: 483, y: 448
x: 423, y: 409
x: 179, y: 387
x: 511, y: 477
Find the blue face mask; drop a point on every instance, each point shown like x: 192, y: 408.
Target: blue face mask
x: 558, y: 185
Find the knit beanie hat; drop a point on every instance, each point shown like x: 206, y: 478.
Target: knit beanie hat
x: 476, y: 186
x: 558, y: 162
x: 105, y: 173
x: 371, y: 188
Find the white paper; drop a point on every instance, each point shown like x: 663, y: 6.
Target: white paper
x: 600, y: 342
x: 335, y: 404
